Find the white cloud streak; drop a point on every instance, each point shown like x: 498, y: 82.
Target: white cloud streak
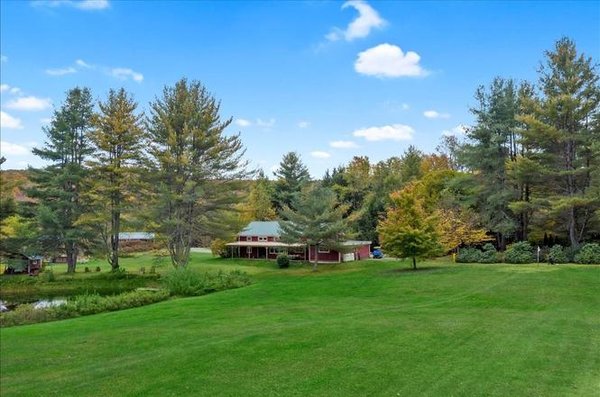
x: 10, y: 122
x: 61, y: 71
x: 29, y: 103
x: 13, y: 149
x: 343, y: 144
x: 84, y: 5
x: 387, y: 60
x: 434, y: 114
x: 367, y: 20
x: 320, y: 155
x: 460, y: 129
x: 394, y: 132
x: 243, y: 123
x: 265, y: 123
x: 303, y: 124
x: 126, y: 73
x: 3, y: 58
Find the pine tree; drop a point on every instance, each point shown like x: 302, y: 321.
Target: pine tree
x: 196, y: 168
x: 316, y: 220
x: 58, y: 187
x: 492, y: 143
x: 292, y: 176
x: 561, y: 131
x: 118, y: 140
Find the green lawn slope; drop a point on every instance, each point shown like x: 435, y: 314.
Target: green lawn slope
x: 367, y: 328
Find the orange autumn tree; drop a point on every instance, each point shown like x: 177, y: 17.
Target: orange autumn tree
x: 408, y: 231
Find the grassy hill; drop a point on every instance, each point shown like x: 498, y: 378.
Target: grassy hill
x: 368, y: 328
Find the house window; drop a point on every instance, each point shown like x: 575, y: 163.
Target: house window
x: 276, y: 250
x: 323, y: 249
x: 248, y: 238
x: 262, y: 238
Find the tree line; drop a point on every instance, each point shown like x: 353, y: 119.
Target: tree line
x: 528, y: 169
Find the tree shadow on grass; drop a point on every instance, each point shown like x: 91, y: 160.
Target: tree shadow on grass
x: 410, y: 270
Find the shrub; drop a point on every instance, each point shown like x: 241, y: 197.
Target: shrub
x: 589, y: 254
x: 186, y: 282
x: 87, y: 269
x: 283, y: 261
x: 468, y: 255
x: 50, y: 276
x: 81, y: 305
x: 489, y: 254
x: 218, y: 247
x: 98, y: 268
x: 520, y: 252
x: 557, y: 254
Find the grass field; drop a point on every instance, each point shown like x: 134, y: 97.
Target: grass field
x: 368, y: 328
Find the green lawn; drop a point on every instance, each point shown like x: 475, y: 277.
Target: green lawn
x: 368, y: 328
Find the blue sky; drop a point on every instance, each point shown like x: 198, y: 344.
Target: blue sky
x: 327, y: 79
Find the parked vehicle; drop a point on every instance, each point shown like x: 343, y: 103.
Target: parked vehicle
x: 377, y: 254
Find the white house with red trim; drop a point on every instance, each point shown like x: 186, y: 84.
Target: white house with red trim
x: 261, y: 240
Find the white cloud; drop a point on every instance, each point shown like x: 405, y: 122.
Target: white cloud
x: 7, y: 88
x: 86, y: 5
x: 83, y: 64
x: 343, y: 144
x: 433, y: 114
x: 3, y: 58
x: 29, y: 103
x: 320, y: 155
x: 4, y: 87
x: 303, y: 124
x: 361, y: 26
x: 46, y: 120
x: 126, y: 73
x: 61, y: 71
x: 265, y: 123
x: 10, y: 122
x: 243, y: 123
x: 405, y: 106
x: 394, y: 132
x: 387, y: 60
x: 460, y: 129
x: 13, y: 149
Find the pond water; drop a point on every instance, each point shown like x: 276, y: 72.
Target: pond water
x: 38, y: 303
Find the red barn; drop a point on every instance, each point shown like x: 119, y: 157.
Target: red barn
x: 261, y: 240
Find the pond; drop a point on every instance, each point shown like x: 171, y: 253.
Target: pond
x: 42, y: 303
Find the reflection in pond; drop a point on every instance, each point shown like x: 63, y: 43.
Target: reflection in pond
x: 44, y: 303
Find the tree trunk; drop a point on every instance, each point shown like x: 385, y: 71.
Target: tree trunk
x: 414, y: 263
x: 316, y: 262
x: 114, y: 240
x: 71, y: 257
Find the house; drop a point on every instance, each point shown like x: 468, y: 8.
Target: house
x: 21, y: 264
x: 136, y: 241
x: 261, y: 240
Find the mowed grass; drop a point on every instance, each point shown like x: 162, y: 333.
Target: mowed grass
x: 367, y: 328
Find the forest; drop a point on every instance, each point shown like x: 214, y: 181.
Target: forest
x: 525, y: 174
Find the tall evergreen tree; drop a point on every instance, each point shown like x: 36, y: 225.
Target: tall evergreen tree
x: 316, y: 220
x: 292, y: 176
x: 561, y: 131
x: 118, y: 139
x: 197, y: 167
x: 58, y: 186
x: 492, y: 142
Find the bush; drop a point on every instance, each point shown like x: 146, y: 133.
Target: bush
x: 186, y: 282
x: 283, y: 261
x: 489, y: 254
x: 86, y: 269
x: 520, y: 252
x: 98, y: 268
x: 468, y: 255
x: 589, y: 254
x: 50, y: 276
x: 218, y: 247
x: 81, y: 305
x: 557, y: 254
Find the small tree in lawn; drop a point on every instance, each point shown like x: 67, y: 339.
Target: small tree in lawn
x: 317, y: 220
x: 408, y: 231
